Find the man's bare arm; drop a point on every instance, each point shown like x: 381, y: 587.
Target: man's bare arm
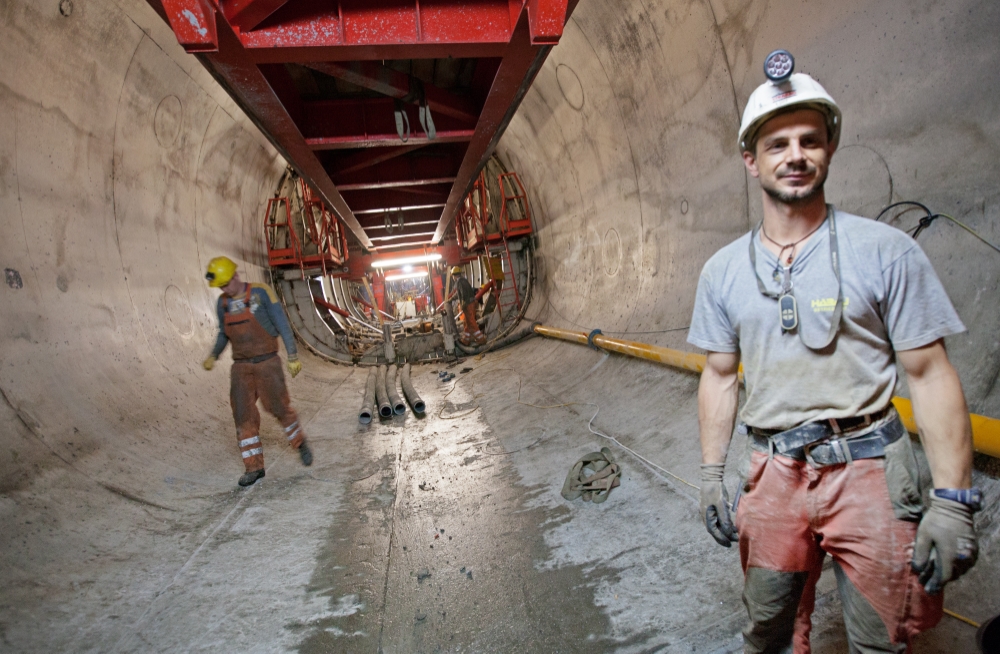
x: 718, y: 398
x: 941, y: 413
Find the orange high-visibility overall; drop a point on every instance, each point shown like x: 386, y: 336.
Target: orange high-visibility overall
x: 256, y: 373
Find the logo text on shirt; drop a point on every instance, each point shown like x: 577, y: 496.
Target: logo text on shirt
x: 826, y: 304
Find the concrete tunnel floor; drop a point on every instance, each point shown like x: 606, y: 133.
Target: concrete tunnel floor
x: 445, y: 533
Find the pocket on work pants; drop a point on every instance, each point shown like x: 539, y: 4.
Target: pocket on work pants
x: 753, y: 463
x: 902, y: 476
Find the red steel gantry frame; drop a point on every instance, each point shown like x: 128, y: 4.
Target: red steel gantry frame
x: 332, y: 82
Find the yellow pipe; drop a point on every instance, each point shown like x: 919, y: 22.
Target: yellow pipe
x: 985, y: 430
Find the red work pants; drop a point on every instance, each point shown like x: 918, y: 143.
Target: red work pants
x: 265, y: 381
x: 791, y: 517
x: 471, y: 326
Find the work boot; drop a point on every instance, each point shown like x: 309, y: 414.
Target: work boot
x: 249, y: 478
x: 305, y: 454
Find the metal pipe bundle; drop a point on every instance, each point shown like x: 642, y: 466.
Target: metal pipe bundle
x: 411, y: 394
x: 397, y: 404
x: 384, y: 408
x: 365, y: 415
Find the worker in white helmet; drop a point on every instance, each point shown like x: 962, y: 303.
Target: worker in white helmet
x: 819, y: 305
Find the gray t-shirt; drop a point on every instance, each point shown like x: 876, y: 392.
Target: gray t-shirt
x: 893, y: 300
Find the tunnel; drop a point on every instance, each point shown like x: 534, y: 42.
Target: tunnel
x: 126, y: 164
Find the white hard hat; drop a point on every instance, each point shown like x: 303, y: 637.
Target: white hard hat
x: 799, y: 91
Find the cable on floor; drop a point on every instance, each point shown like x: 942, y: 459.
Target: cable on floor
x: 590, y: 423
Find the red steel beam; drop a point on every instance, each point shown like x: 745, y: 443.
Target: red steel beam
x: 520, y: 64
x: 249, y: 87
x: 362, y: 160
x: 418, y: 223
x: 262, y: 54
x: 397, y: 184
x: 410, y: 29
x: 430, y: 162
x: 248, y: 14
x: 419, y: 236
x: 405, y: 207
x: 387, y: 140
x: 362, y: 200
x: 351, y: 30
x: 382, y: 79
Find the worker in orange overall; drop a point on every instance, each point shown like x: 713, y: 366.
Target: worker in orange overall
x: 467, y: 298
x: 251, y: 319
x: 819, y: 306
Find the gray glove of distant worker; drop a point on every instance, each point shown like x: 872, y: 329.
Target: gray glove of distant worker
x: 715, y: 505
x: 946, y: 544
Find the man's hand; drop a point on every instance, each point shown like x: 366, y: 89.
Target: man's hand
x: 715, y: 505
x: 208, y: 363
x: 946, y: 544
x: 294, y: 367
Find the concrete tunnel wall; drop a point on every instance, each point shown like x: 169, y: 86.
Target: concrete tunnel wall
x: 124, y: 168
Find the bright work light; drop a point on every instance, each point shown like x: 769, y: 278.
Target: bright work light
x: 779, y: 65
x: 412, y: 275
x: 403, y: 261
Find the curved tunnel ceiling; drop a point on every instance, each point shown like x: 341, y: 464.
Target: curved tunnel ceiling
x: 124, y: 167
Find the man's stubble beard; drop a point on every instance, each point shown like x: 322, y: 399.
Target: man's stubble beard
x: 797, y: 200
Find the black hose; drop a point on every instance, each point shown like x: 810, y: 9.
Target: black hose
x: 365, y: 415
x: 410, y: 392
x: 509, y: 339
x: 398, y: 406
x: 384, y: 408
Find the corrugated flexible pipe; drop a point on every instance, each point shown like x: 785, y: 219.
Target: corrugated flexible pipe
x: 365, y: 415
x: 985, y: 430
x: 416, y: 403
x: 384, y: 408
x: 396, y: 402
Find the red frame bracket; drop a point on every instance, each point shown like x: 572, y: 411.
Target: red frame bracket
x: 193, y: 21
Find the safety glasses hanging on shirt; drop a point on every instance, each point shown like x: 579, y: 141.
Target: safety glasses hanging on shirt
x: 787, y: 310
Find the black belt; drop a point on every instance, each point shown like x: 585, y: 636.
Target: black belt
x: 817, y: 443
x: 257, y: 359
x: 835, y: 424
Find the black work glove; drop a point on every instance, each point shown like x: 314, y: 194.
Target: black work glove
x: 715, y: 505
x: 946, y: 544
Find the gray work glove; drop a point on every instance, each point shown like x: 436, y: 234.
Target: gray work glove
x: 715, y: 505
x: 946, y: 544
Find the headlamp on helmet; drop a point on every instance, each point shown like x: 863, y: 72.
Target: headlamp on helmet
x: 779, y: 65
x: 220, y: 271
x: 783, y: 92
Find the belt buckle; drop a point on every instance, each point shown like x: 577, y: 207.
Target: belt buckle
x: 841, y: 449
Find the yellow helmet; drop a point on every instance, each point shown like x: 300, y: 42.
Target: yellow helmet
x: 457, y: 270
x: 220, y: 271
